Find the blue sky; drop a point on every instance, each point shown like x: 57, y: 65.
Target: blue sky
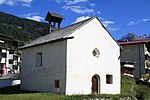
x: 119, y: 16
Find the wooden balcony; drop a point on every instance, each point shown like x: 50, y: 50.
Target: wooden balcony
x: 147, y: 63
x: 127, y: 68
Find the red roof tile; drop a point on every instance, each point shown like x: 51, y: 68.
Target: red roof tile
x: 134, y: 42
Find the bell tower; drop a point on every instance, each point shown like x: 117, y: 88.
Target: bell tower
x: 54, y: 19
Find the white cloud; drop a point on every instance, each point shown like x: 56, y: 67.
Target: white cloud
x: 16, y: 2
x: 106, y: 23
x: 99, y: 12
x: 77, y: 6
x: 26, y: 5
x: 36, y: 18
x: 2, y: 1
x: 92, y: 4
x: 79, y: 9
x: 138, y: 21
x: 145, y: 20
x: 30, y: 14
x: 71, y: 2
x: 113, y: 28
x: 87, y: 8
x: 10, y: 2
x: 110, y: 25
x: 81, y: 18
x: 59, y: 1
x: 131, y: 23
x: 27, y: 1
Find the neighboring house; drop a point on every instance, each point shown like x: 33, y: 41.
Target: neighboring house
x: 82, y: 58
x: 9, y: 69
x: 137, y: 51
x: 8, y: 55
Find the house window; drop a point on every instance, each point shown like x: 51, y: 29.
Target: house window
x: 39, y: 59
x: 11, y: 52
x: 11, y: 61
x: 15, y: 67
x: 3, y: 55
x: 109, y: 79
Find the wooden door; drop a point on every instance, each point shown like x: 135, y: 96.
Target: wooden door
x: 94, y: 85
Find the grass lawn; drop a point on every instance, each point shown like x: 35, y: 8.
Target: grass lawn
x: 48, y: 96
x: 28, y: 96
x: 129, y: 88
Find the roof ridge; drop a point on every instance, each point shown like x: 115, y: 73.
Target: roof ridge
x: 77, y: 23
x: 83, y: 21
x: 134, y: 42
x: 10, y: 37
x: 58, y: 34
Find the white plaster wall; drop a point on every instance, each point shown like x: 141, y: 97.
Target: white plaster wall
x: 7, y: 59
x: 53, y: 67
x: 3, y: 59
x: 10, y: 56
x: 3, y: 50
x: 82, y: 65
x: 134, y: 53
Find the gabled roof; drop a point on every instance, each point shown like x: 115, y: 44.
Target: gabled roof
x: 57, y: 35
x: 62, y: 34
x: 7, y: 38
x: 55, y: 15
x: 134, y: 42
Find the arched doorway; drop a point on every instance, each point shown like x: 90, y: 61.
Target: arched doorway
x: 96, y: 84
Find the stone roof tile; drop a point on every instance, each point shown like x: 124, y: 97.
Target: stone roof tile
x: 56, y: 35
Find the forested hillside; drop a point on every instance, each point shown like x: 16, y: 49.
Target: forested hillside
x: 21, y: 29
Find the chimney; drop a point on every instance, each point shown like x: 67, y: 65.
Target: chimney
x: 53, y: 18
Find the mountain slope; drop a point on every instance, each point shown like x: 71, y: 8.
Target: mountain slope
x: 132, y: 36
x: 21, y: 29
x: 145, y: 36
x: 129, y: 37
